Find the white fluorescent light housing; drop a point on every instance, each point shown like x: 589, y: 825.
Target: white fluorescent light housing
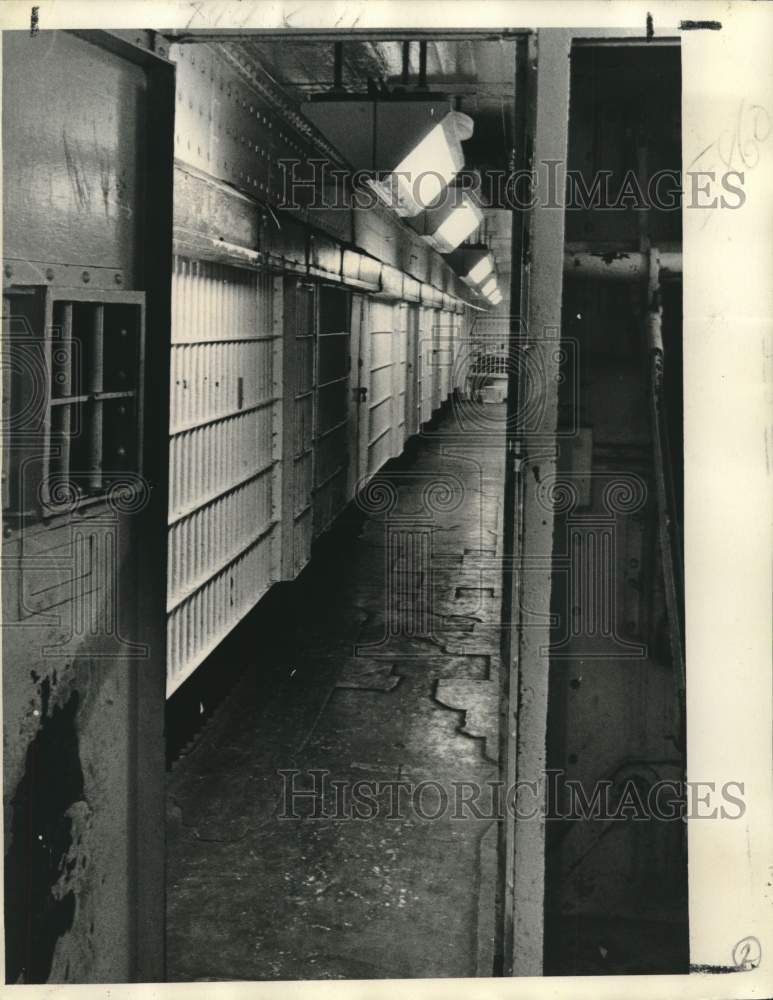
x: 421, y: 177
x: 489, y: 286
x: 480, y: 271
x: 496, y: 298
x: 446, y: 227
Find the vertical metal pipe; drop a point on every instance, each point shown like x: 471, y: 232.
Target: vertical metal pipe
x: 643, y: 211
x: 422, y: 64
x: 512, y: 506
x: 666, y: 520
x: 338, y: 65
x: 406, y: 62
x: 65, y: 427
x: 95, y: 384
x: 525, y: 712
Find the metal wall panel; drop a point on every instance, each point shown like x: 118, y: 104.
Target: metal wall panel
x: 224, y: 413
x: 71, y: 192
x: 225, y: 128
x: 87, y: 178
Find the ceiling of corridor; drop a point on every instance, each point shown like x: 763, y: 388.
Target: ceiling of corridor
x: 477, y: 72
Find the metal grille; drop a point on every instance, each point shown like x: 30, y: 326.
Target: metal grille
x: 223, y: 505
x: 73, y: 372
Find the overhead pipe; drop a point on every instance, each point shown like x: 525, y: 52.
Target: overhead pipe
x: 619, y: 265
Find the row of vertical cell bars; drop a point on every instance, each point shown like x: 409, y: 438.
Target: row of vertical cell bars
x: 207, y: 461
x: 205, y: 542
x: 225, y: 391
x: 200, y: 624
x: 226, y: 429
x: 216, y: 302
x: 218, y: 380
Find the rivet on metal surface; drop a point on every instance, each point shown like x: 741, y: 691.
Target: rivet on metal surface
x: 118, y: 279
x: 49, y: 274
x: 8, y: 271
x: 86, y: 277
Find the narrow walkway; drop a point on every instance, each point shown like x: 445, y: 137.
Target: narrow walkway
x: 384, y: 671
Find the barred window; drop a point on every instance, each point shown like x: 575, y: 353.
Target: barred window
x: 74, y: 368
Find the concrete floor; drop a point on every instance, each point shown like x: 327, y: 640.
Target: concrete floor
x: 382, y: 666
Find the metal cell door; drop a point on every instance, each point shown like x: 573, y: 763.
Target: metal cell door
x: 360, y: 388
x: 401, y: 376
x: 299, y: 382
x: 380, y: 335
x: 223, y: 504
x: 412, y: 370
x: 437, y: 360
x: 427, y: 378
x: 334, y: 405
x: 445, y: 352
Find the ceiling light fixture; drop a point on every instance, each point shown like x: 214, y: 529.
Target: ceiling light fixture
x: 420, y: 178
x: 481, y: 270
x: 448, y: 225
